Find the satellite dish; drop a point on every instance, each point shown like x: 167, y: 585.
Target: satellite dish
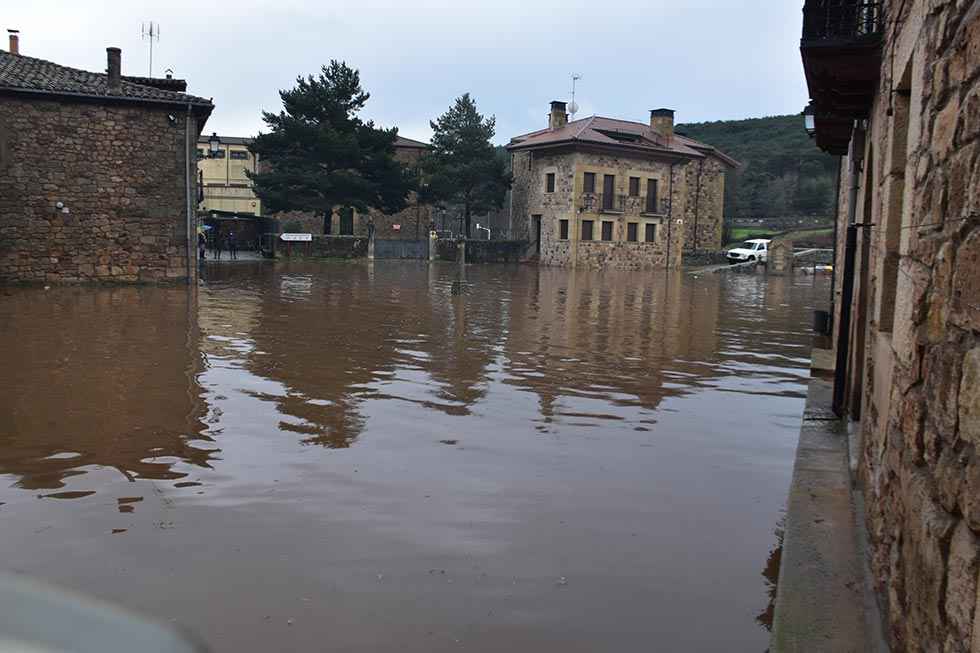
x: 573, y: 107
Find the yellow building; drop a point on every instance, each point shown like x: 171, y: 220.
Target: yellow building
x: 222, y: 175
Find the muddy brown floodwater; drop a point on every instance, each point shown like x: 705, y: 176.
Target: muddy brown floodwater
x: 351, y: 457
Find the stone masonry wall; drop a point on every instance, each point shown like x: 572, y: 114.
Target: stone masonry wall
x: 705, y: 205
x: 569, y: 202
x: 120, y: 171
x: 920, y: 373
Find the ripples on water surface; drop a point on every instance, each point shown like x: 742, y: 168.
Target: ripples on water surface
x: 551, y: 461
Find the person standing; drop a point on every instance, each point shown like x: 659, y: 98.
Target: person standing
x: 216, y: 245
x: 202, y: 244
x: 232, y: 246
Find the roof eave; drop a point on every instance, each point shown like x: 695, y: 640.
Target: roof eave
x: 614, y: 147
x: 196, y: 105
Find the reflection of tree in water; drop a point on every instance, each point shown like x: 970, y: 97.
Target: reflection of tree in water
x: 359, y: 332
x: 100, y: 377
x: 771, y: 575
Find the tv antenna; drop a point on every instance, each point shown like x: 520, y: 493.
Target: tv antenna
x: 150, y: 32
x: 572, y: 106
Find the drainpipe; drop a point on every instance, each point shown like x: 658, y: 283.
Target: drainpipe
x: 697, y: 203
x: 670, y: 211
x: 833, y: 277
x: 847, y: 289
x: 188, y: 189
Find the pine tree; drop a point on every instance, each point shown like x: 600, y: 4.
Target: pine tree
x: 463, y: 167
x: 319, y: 155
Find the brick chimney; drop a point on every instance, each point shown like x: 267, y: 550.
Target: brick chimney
x: 558, y: 117
x: 14, y: 41
x: 662, y: 122
x: 114, y: 57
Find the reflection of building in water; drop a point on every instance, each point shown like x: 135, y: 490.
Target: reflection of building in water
x: 117, y: 388
x: 582, y: 334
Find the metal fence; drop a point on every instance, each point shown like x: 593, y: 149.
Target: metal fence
x: 394, y: 248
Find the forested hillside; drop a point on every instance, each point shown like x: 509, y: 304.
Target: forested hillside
x: 783, y: 174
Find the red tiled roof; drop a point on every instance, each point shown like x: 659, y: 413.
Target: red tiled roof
x: 616, y: 133
x: 401, y: 141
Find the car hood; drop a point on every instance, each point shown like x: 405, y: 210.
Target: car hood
x: 739, y: 251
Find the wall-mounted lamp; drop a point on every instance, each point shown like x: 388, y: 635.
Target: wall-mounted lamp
x: 810, y: 120
x: 213, y: 143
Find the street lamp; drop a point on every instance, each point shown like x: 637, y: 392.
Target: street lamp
x: 213, y: 144
x: 809, y: 120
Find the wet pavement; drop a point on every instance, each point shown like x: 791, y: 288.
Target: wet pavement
x: 374, y: 457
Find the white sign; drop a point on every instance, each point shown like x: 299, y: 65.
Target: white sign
x: 301, y: 237
x: 396, y: 227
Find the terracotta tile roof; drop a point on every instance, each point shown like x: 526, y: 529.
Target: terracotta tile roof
x: 617, y: 133
x: 19, y: 73
x: 401, y: 141
x: 707, y: 149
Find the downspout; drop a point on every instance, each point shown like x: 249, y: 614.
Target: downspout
x: 191, y: 250
x: 847, y: 289
x: 670, y: 212
x: 833, y: 277
x: 697, y: 202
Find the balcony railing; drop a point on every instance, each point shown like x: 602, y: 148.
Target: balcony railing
x: 628, y: 204
x: 842, y: 20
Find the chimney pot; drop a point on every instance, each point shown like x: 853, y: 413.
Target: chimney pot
x: 558, y: 117
x: 114, y: 57
x: 14, y: 41
x: 662, y: 122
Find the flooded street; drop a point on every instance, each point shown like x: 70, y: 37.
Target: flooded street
x: 353, y: 457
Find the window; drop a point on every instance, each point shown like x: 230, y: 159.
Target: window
x: 549, y: 182
x: 586, y: 229
x: 634, y: 186
x: 563, y: 230
x: 651, y: 232
x: 220, y: 154
x: 589, y: 186
x: 631, y: 231
x: 651, y: 196
x: 200, y: 153
x: 608, y: 191
x: 238, y: 154
x: 607, y: 229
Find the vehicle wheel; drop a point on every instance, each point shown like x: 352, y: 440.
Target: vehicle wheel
x: 752, y: 259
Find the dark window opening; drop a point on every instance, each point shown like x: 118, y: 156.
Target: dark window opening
x: 608, y: 191
x: 634, y: 186
x: 347, y: 222
x: 238, y: 154
x: 549, y: 183
x: 586, y: 229
x: 607, y: 228
x: 631, y: 231
x: 651, y: 195
x: 651, y: 233
x: 220, y: 154
x: 563, y: 230
x: 589, y: 186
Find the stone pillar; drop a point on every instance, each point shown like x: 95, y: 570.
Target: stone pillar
x: 433, y: 246
x: 780, y: 259
x: 370, y: 253
x: 461, y: 253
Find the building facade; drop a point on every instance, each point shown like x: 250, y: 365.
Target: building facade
x: 97, y: 174
x: 606, y: 193
x: 895, y: 91
x: 225, y: 184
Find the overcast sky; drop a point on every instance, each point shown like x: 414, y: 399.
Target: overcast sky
x: 708, y: 60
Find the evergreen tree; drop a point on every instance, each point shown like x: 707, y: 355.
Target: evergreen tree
x: 319, y: 154
x: 463, y: 167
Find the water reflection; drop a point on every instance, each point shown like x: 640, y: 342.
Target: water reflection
x: 99, y: 377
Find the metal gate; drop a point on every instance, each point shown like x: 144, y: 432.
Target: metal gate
x: 417, y: 249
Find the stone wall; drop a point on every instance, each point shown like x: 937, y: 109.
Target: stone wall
x: 705, y: 205
x: 915, y: 343
x: 119, y: 170
x: 570, y: 202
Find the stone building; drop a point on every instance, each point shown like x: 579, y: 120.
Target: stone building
x: 411, y: 223
x: 98, y: 175
x: 606, y: 193
x: 225, y: 184
x: 895, y: 91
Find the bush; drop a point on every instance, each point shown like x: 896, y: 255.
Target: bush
x: 292, y: 227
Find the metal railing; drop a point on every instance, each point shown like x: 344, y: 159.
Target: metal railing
x: 842, y: 20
